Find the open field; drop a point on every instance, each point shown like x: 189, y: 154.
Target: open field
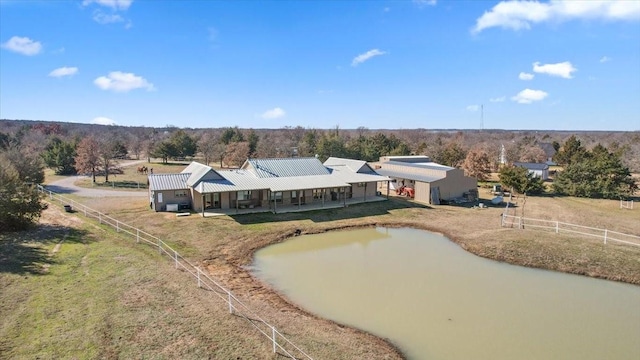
x: 225, y: 245
x: 71, y: 289
x: 130, y: 177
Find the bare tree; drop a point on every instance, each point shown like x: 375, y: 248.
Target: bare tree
x: 477, y: 164
x: 108, y: 154
x: 237, y: 153
x: 88, y: 157
x: 533, y: 154
x: 207, y: 146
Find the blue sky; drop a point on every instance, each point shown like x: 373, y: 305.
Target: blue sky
x: 558, y: 65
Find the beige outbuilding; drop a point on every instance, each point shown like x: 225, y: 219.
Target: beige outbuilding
x: 430, y: 182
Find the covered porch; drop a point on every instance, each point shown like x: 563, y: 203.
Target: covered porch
x: 308, y: 206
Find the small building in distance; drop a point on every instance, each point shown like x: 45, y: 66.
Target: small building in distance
x: 432, y: 183
x: 537, y: 169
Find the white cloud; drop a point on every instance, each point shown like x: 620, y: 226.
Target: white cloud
x: 63, y: 71
x: 498, y: 99
x: 517, y: 15
x: 525, y: 76
x: 563, y: 69
x: 23, y: 45
x: 473, y: 108
x: 274, y: 113
x: 103, y: 18
x: 527, y: 96
x: 103, y: 121
x: 118, y: 81
x: 423, y: 3
x: 605, y: 59
x: 366, y: 56
x: 114, y: 4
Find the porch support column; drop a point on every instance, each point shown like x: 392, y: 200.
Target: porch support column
x: 324, y: 194
x: 365, y: 192
x: 236, y: 202
x: 202, y: 205
x: 388, y: 190
x: 298, y: 192
x: 344, y: 196
x: 275, y: 211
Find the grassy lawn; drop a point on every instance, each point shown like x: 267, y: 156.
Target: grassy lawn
x: 96, y: 295
x: 130, y: 177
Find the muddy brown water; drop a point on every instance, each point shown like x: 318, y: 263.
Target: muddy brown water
x: 436, y: 301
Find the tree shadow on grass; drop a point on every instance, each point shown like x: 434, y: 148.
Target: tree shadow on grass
x: 28, y: 251
x: 323, y: 215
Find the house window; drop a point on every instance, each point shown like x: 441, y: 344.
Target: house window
x: 294, y: 194
x: 244, y: 195
x: 361, y: 184
x: 277, y: 196
x: 180, y: 193
x: 317, y: 193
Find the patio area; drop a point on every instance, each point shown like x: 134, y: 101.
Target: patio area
x: 316, y: 205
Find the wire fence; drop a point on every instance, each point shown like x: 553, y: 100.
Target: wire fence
x: 236, y: 307
x: 606, y: 235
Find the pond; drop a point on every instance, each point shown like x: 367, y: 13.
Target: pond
x: 436, y: 301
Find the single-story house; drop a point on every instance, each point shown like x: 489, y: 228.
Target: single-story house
x: 540, y: 170
x: 431, y: 182
x: 265, y: 184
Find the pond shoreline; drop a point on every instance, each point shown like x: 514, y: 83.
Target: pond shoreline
x: 241, y: 262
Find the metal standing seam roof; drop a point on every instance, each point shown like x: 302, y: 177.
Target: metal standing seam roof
x: 159, y: 182
x: 243, y: 180
x: 345, y: 174
x: 234, y: 180
x: 287, y: 167
x: 409, y: 176
x: 532, y: 166
x: 428, y: 165
x: 198, y: 171
x: 353, y: 165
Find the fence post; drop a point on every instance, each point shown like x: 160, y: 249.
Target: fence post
x: 159, y: 247
x: 273, y: 335
x: 230, y: 305
x: 557, y: 227
x: 137, y: 235
x: 175, y: 255
x: 198, y: 276
x: 85, y: 211
x: 519, y: 222
x: 117, y: 226
x: 605, y: 236
x: 100, y: 218
x: 50, y: 195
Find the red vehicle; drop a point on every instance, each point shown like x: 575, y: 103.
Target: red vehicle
x: 406, y: 191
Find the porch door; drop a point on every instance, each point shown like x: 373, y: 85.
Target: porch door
x: 212, y: 201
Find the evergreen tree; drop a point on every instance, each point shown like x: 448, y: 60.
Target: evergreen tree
x: 520, y: 180
x: 60, y: 156
x: 571, y: 151
x: 20, y: 202
x: 596, y: 174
